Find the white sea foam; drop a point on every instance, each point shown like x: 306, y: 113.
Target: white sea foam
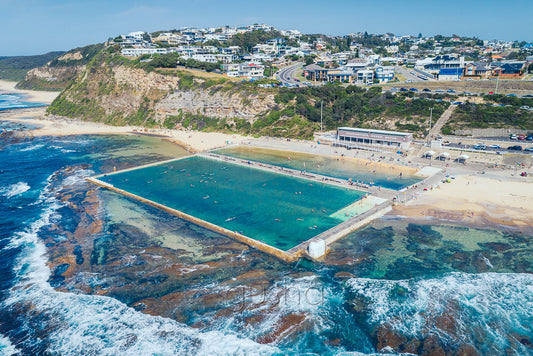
x: 90, y: 324
x: 6, y: 348
x: 14, y: 189
x: 494, y: 304
x: 31, y: 148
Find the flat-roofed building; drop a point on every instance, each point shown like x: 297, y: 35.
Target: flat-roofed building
x: 350, y: 136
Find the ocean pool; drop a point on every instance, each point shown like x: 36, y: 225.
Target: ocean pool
x: 278, y: 210
x: 323, y: 165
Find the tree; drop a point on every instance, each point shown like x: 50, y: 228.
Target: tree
x: 309, y: 60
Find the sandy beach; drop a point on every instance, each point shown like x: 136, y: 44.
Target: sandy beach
x: 55, y: 126
x: 471, y: 199
x: 476, y: 200
x: 33, y: 96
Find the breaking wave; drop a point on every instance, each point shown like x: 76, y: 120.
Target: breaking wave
x: 459, y: 307
x: 90, y: 324
x: 14, y: 189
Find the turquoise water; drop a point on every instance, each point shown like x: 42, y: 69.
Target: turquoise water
x: 173, y: 288
x: 323, y: 165
x: 278, y: 210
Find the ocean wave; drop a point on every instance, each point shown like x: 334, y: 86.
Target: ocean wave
x: 14, y: 189
x: 495, y: 307
x: 62, y: 149
x: 90, y: 324
x: 32, y: 148
x: 6, y: 348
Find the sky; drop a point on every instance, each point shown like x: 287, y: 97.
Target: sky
x: 39, y: 26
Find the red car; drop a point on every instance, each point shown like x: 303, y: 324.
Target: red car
x: 521, y: 137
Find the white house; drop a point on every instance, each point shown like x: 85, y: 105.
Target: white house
x: 135, y: 52
x: 207, y: 58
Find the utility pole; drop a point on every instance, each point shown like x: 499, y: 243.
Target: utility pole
x: 497, y: 81
x: 430, y: 117
x: 321, y: 104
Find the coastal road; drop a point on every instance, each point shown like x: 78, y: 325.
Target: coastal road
x: 286, y: 75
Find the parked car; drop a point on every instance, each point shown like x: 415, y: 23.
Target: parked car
x: 413, y: 89
x: 479, y: 146
x: 511, y: 95
x: 521, y: 137
x: 403, y: 89
x: 513, y: 137
x: 515, y: 148
x: 528, y: 96
x: 494, y: 146
x: 394, y: 89
x: 439, y: 91
x: 529, y: 138
x: 451, y: 91
x: 426, y: 90
x: 525, y: 107
x: 529, y: 149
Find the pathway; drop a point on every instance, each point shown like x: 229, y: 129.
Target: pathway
x: 435, y: 130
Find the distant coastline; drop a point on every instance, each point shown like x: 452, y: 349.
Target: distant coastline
x: 45, y: 97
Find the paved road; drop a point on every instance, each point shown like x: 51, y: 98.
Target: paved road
x: 406, y: 72
x: 286, y: 75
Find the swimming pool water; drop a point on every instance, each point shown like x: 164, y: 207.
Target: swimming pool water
x: 278, y: 210
x: 319, y: 164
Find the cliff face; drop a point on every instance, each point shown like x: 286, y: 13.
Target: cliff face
x: 122, y: 95
x: 50, y: 78
x: 60, y: 72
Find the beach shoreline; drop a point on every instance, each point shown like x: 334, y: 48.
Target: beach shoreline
x: 503, y: 199
x: 33, y: 96
x: 475, y: 200
x: 194, y: 141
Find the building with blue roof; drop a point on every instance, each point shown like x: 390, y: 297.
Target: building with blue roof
x: 450, y: 73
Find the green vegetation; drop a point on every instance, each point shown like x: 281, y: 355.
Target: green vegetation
x: 508, y: 100
x: 64, y: 68
x: 15, y: 68
x: 87, y: 53
x: 297, y: 112
x: 488, y: 116
x: 248, y: 40
x: 355, y: 106
x: 172, y: 60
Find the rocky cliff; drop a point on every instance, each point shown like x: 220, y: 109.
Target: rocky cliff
x: 121, y: 94
x: 60, y: 72
x: 50, y: 78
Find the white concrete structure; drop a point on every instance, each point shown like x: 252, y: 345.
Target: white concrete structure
x: 351, y: 136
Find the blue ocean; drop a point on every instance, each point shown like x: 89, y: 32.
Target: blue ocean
x: 15, y: 101
x: 85, y: 271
